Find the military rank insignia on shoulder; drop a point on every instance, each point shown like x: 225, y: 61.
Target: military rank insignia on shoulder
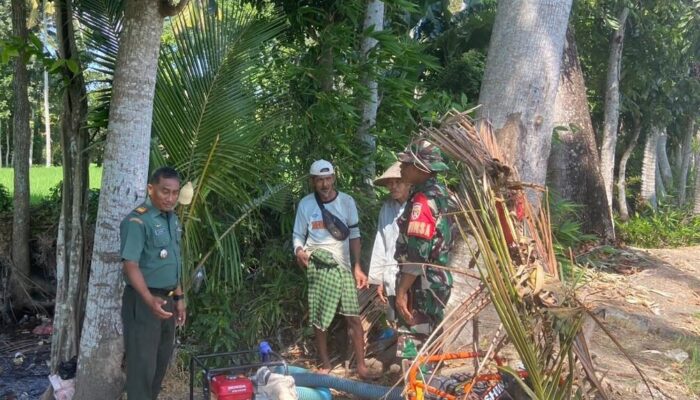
x: 141, y: 210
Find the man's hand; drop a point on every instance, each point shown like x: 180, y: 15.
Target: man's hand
x: 402, y: 306
x: 302, y: 257
x: 181, y: 312
x: 360, y: 277
x: 380, y: 293
x: 156, y: 304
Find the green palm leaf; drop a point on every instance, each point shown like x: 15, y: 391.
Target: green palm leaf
x: 100, y: 25
x: 207, y: 125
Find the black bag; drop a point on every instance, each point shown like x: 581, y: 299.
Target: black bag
x: 335, y: 226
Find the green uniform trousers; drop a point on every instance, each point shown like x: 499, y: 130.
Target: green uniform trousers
x: 148, y: 342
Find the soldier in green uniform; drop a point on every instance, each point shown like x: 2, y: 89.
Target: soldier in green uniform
x: 153, y: 302
x: 425, y: 238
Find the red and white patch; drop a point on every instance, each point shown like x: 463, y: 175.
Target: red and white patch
x: 422, y: 222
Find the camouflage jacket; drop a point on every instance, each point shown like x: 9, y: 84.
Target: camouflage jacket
x: 425, y: 234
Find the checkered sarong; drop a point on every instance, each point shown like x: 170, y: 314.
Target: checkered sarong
x: 329, y: 284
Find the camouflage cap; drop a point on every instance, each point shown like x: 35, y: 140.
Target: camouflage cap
x: 425, y: 155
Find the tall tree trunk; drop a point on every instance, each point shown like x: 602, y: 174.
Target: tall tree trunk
x: 677, y: 159
x: 622, y: 172
x: 662, y: 159
x: 34, y: 128
x: 71, y: 257
x: 1, y: 132
x: 374, y: 22
x: 696, y: 200
x: 7, y: 144
x: 612, y: 107
x: 326, y: 58
x: 123, y: 187
x: 649, y: 168
x: 47, y: 119
x: 47, y: 115
x: 686, y: 152
x: 573, y: 162
x: 519, y: 101
x: 660, y: 188
x: 22, y: 137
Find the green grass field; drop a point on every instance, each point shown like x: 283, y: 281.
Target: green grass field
x: 43, y: 179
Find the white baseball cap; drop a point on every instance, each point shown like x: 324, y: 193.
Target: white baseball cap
x: 321, y: 168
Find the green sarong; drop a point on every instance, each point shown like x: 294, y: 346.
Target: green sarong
x: 329, y: 284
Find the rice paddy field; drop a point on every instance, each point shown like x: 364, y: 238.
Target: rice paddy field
x: 43, y: 179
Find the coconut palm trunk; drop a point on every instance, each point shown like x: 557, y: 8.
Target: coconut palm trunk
x: 664, y: 165
x: 123, y: 187
x: 573, y: 169
x: 22, y: 138
x: 648, y: 191
x: 660, y: 187
x: 520, y: 101
x: 612, y: 107
x: 374, y: 22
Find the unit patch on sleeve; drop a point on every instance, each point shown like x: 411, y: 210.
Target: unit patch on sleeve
x: 422, y: 222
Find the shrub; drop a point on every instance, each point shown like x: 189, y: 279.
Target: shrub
x: 566, y: 231
x: 267, y: 306
x: 5, y: 199
x: 667, y: 227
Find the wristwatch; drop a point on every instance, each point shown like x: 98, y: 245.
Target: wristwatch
x: 178, y: 297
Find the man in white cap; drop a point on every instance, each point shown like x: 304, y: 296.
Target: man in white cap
x: 326, y: 233
x: 383, y: 268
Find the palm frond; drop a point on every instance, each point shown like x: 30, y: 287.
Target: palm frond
x: 207, y: 123
x: 101, y: 23
x: 539, y: 313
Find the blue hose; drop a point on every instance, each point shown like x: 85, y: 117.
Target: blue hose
x: 359, y: 389
x: 319, y: 393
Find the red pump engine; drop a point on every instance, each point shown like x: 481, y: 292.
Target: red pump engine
x: 232, y: 387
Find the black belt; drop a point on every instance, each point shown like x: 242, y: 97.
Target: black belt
x: 162, y: 292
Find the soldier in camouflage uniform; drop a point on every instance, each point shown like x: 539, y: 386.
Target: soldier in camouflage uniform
x: 425, y: 238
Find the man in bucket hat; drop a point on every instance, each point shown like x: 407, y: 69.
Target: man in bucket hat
x: 424, y: 240
x: 326, y: 234
x: 383, y: 267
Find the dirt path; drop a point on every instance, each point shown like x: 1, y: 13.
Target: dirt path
x: 650, y: 301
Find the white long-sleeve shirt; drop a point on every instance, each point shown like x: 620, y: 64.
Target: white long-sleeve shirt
x: 310, y: 233
x: 383, y: 267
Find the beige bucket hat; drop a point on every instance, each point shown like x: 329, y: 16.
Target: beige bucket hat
x: 393, y: 172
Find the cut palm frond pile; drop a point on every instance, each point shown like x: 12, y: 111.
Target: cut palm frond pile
x: 539, y: 314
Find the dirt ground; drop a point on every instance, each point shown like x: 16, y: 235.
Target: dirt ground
x: 648, y: 299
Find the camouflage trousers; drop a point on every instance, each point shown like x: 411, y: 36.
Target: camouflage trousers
x: 430, y: 293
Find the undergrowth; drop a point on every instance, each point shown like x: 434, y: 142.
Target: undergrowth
x: 567, y: 234
x: 692, y: 370
x: 269, y: 305
x: 669, y: 226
